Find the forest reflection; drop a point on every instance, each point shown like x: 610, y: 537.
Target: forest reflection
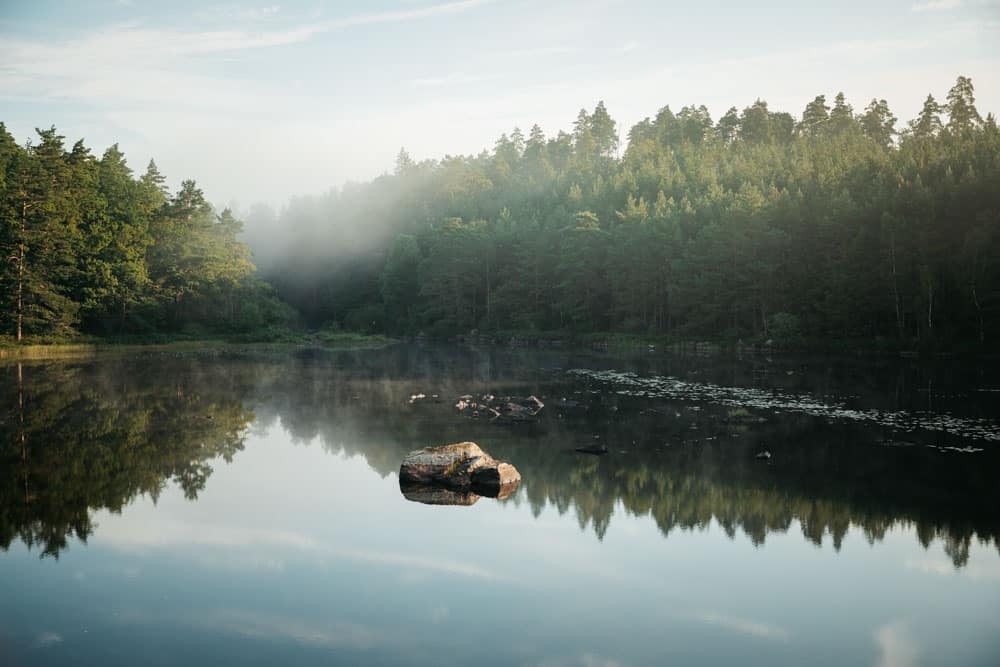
x: 85, y: 436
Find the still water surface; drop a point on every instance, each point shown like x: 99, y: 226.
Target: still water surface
x: 243, y: 508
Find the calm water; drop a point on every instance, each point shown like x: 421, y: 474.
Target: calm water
x: 244, y: 509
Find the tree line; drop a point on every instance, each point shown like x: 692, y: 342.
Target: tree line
x: 89, y: 248
x: 836, y: 225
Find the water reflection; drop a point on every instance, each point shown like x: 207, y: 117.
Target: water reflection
x: 80, y: 438
x: 84, y: 436
x: 438, y: 495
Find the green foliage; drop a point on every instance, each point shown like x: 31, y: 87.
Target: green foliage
x: 833, y: 227
x: 784, y: 327
x: 89, y: 249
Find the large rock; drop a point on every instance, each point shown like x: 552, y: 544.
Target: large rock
x: 462, y: 466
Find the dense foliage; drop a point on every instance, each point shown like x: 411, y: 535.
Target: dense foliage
x: 835, y: 225
x: 757, y: 225
x: 88, y: 248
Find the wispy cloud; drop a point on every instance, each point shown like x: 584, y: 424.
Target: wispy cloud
x: 405, y: 14
x: 136, y: 63
x: 454, y: 79
x: 936, y: 5
x: 239, y: 14
x: 535, y: 52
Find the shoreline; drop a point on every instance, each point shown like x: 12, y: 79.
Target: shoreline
x: 83, y: 350
x: 597, y: 342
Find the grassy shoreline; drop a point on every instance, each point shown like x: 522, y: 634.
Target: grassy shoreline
x: 340, y: 340
x: 10, y: 351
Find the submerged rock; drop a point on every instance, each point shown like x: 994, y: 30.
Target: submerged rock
x: 462, y: 466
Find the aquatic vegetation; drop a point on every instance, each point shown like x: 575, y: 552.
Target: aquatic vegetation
x: 631, y: 384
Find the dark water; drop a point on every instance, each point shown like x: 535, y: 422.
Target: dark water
x: 244, y: 509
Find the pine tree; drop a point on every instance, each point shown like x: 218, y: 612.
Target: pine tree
x: 815, y: 117
x: 928, y: 123
x: 962, y: 114
x: 878, y: 123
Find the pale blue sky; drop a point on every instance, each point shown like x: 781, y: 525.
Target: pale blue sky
x: 259, y: 101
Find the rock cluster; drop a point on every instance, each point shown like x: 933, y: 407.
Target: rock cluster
x: 510, y: 409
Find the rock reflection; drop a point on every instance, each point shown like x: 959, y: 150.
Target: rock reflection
x: 436, y: 495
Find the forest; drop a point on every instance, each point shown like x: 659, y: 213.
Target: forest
x: 840, y: 225
x: 89, y: 248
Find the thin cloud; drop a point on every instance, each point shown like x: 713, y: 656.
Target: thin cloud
x: 130, y: 47
x: 130, y: 63
x: 936, y: 6
x: 455, y: 79
x: 248, y: 14
x: 406, y: 14
x: 538, y: 52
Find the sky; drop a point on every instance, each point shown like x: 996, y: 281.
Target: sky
x: 265, y: 100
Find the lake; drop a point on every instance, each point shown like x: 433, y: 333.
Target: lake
x: 243, y: 507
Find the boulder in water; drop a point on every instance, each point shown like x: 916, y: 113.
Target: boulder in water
x: 462, y: 466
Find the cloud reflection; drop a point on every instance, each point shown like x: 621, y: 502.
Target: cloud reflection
x: 896, y: 646
x: 166, y: 533
x: 581, y: 660
x: 256, y: 625
x: 742, y: 625
x: 946, y: 568
x: 46, y: 639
